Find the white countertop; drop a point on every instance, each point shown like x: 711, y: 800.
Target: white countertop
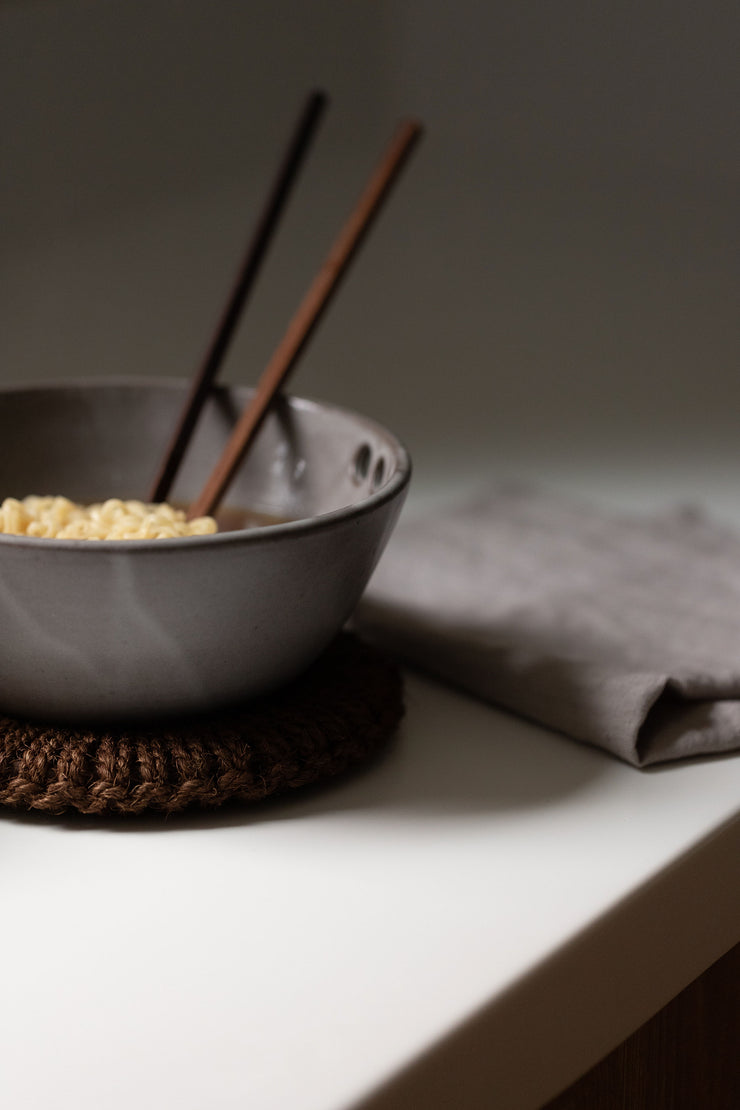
x: 472, y: 921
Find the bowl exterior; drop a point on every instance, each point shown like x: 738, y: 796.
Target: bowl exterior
x: 96, y: 631
x: 151, y: 633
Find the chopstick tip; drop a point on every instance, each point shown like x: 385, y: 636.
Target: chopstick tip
x: 318, y: 97
x: 415, y: 126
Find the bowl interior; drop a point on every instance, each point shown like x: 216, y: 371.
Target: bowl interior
x: 92, y: 441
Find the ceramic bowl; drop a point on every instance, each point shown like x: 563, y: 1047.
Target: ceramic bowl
x: 107, y: 630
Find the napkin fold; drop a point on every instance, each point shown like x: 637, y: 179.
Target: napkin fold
x: 620, y: 630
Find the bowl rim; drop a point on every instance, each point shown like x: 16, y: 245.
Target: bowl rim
x: 266, y: 533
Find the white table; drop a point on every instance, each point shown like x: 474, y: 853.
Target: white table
x: 461, y: 909
x: 471, y: 922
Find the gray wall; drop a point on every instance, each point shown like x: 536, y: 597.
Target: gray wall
x: 553, y: 283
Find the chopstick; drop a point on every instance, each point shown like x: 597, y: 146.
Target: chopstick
x: 309, y: 312
x: 287, y: 173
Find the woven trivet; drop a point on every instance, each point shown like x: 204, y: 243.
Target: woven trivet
x: 339, y: 713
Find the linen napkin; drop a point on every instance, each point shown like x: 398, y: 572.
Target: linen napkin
x: 620, y: 630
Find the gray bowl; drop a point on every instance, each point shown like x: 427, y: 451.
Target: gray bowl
x: 145, y: 628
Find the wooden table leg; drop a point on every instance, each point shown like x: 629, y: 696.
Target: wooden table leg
x: 687, y: 1057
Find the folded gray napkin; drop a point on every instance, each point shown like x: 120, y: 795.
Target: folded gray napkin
x: 619, y: 630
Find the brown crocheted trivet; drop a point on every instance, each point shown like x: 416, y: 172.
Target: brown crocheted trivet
x: 340, y: 712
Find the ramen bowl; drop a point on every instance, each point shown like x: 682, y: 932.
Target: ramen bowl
x: 136, y: 629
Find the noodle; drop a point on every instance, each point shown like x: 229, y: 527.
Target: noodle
x: 61, y: 519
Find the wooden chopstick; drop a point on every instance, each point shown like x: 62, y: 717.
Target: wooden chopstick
x: 287, y: 173
x: 306, y: 318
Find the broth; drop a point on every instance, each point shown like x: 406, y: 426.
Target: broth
x: 232, y: 518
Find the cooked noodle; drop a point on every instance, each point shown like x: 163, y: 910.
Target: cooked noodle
x: 62, y: 519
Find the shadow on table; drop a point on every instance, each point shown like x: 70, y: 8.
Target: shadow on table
x: 453, y: 756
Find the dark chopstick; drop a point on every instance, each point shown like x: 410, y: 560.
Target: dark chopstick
x: 306, y: 318
x: 274, y: 206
